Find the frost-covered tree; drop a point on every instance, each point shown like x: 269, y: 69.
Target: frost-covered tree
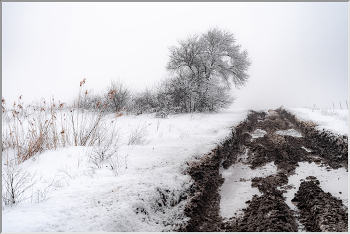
x: 144, y: 102
x: 206, y: 64
x: 121, y: 97
x: 213, y: 54
x: 203, y: 67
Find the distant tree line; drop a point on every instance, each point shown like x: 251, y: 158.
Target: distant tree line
x: 202, y: 70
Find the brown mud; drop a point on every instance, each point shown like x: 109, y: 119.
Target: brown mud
x: 267, y: 212
x: 320, y: 211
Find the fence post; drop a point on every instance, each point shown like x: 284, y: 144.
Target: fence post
x: 347, y: 105
x: 340, y: 105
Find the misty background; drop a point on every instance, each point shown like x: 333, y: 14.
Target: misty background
x: 299, y: 51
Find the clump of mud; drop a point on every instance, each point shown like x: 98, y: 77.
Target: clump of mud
x: 274, y: 123
x: 269, y: 184
x: 320, y: 211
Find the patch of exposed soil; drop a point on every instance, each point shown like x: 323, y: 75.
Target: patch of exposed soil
x: 320, y: 211
x: 267, y: 212
x: 204, y: 206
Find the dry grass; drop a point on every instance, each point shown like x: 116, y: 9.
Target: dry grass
x: 32, y: 129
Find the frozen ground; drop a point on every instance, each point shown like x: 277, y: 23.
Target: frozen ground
x: 237, y: 189
x: 87, y: 199
x: 258, y: 133
x: 84, y: 198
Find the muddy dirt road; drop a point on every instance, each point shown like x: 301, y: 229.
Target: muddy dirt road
x: 278, y: 139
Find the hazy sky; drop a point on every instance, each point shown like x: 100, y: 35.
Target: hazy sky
x: 299, y: 51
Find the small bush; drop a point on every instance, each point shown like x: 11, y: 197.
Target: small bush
x: 180, y: 95
x: 15, y: 182
x: 121, y: 98
x: 144, y: 102
x: 43, y: 193
x: 138, y: 135
x: 115, y: 164
x: 106, y: 146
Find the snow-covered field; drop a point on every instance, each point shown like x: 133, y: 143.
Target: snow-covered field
x: 88, y: 199
x: 85, y: 198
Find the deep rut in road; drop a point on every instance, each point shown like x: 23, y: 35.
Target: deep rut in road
x: 285, y: 141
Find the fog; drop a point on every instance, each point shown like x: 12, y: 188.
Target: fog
x: 299, y: 51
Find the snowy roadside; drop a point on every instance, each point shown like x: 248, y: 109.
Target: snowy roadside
x: 334, y: 181
x: 336, y: 123
x: 146, y: 195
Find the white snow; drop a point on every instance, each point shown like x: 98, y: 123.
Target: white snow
x: 86, y: 199
x: 335, y: 121
x: 290, y: 132
x: 258, y: 133
x: 306, y: 149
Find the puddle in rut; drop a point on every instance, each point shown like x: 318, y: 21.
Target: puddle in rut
x: 257, y: 133
x: 290, y: 132
x: 332, y: 181
x: 237, y: 188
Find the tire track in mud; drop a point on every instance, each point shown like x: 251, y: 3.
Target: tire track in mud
x: 320, y: 211
x: 269, y: 211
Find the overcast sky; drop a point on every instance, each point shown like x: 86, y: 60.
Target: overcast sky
x: 299, y: 51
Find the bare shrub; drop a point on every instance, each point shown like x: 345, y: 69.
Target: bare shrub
x: 66, y: 171
x: 138, y: 135
x: 144, y: 102
x: 121, y: 98
x: 43, y: 193
x: 84, y: 127
x: 15, y: 182
x: 106, y: 146
x: 115, y: 164
x: 126, y: 161
x: 179, y: 94
x: 80, y: 159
